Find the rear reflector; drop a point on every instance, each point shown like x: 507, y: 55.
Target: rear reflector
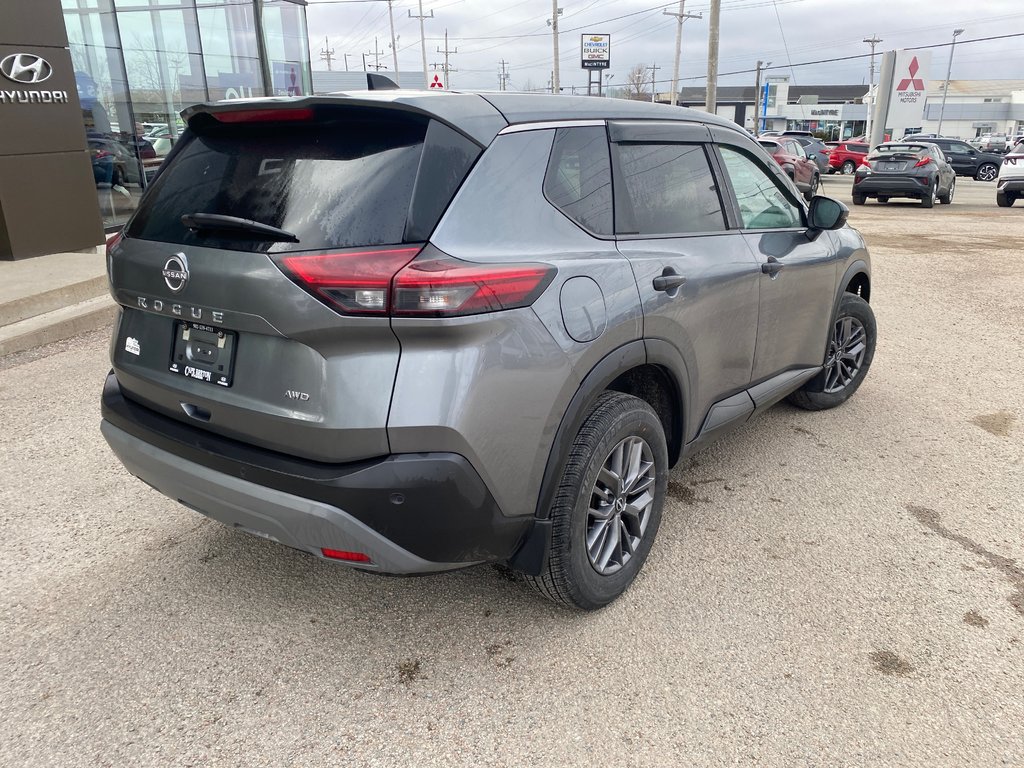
x: 340, y: 554
x: 448, y: 287
x: 264, y: 115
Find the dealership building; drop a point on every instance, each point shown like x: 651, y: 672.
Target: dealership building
x: 90, y: 92
x: 973, y: 107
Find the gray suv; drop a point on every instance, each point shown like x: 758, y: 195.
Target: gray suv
x: 413, y: 332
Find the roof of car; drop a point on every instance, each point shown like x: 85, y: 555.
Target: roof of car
x: 483, y: 115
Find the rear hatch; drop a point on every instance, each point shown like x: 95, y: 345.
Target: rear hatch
x: 903, y: 160
x: 255, y: 276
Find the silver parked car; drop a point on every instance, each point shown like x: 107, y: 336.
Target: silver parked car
x: 416, y: 332
x: 914, y: 169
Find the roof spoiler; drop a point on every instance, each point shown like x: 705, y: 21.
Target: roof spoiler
x: 377, y: 82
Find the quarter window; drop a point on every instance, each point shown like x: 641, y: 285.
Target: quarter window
x: 579, y: 178
x: 761, y: 200
x: 671, y: 189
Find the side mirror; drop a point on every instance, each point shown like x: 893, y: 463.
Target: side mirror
x: 812, y: 156
x: 949, y: 159
x: 826, y: 213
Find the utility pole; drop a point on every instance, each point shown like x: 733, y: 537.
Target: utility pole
x: 423, y: 41
x: 761, y: 66
x: 711, y: 93
x: 553, y: 23
x: 394, y: 45
x: 654, y: 85
x: 327, y: 54
x: 346, y: 61
x: 503, y: 76
x: 447, y: 69
x: 872, y: 41
x: 949, y: 71
x: 376, y: 52
x: 681, y: 16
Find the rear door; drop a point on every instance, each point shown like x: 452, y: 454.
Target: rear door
x: 280, y: 336
x: 698, y: 280
x: 797, y: 275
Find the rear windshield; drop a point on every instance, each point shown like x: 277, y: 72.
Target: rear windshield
x: 915, y: 150
x: 771, y: 146
x: 333, y: 184
x: 857, y: 148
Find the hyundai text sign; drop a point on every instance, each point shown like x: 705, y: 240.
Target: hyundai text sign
x: 596, y: 51
x: 28, y: 69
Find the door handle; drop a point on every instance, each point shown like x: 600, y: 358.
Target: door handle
x: 668, y: 282
x: 772, y: 267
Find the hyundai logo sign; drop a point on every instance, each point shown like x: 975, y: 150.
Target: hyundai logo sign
x: 25, y: 68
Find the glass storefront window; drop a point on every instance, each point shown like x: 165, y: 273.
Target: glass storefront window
x: 138, y: 63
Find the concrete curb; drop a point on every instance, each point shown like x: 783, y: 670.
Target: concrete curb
x: 58, y: 324
x: 42, y: 303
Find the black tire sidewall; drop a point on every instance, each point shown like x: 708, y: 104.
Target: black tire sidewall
x: 588, y: 588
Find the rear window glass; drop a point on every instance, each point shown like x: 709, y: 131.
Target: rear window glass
x: 857, y: 148
x: 900, y: 149
x: 579, y: 177
x: 333, y: 184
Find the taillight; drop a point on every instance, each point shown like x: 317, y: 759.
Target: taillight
x: 1010, y: 160
x: 264, y: 115
x: 922, y: 162
x: 354, y: 282
x: 447, y: 287
x: 113, y: 240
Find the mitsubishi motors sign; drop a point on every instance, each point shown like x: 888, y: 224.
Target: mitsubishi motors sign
x: 902, y: 91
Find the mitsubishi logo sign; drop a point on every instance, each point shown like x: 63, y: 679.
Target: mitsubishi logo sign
x: 912, y: 82
x: 26, y: 68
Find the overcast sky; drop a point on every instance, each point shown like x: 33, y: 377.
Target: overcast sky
x: 780, y: 31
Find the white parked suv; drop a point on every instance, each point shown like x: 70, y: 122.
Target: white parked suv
x: 1010, y: 182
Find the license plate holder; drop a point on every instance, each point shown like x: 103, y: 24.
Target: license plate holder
x: 204, y: 353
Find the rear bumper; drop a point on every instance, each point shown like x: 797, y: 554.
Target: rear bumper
x: 901, y: 186
x: 410, y: 513
x: 1010, y: 185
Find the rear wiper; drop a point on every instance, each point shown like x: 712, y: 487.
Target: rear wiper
x: 218, y: 221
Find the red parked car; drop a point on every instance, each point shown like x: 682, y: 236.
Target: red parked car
x: 846, y: 156
x: 788, y: 153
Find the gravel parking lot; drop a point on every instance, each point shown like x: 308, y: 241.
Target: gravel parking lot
x: 840, y: 588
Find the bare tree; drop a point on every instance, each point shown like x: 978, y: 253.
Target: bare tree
x: 636, y: 83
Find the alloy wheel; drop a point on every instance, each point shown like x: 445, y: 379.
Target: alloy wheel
x: 847, y: 168
x: 987, y: 172
x: 620, y: 505
x: 845, y: 354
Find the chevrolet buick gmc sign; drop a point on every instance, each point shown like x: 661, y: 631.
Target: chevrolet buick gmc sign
x: 28, y: 69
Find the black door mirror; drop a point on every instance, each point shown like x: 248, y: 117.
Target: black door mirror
x: 826, y: 213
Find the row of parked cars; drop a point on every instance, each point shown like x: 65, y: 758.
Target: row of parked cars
x: 922, y: 166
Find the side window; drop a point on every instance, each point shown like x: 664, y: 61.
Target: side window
x: 762, y: 202
x: 578, y: 180
x: 955, y: 148
x: 797, y: 149
x: 671, y: 189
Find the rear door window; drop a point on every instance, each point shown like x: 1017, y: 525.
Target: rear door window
x: 670, y: 189
x: 579, y: 177
x: 333, y: 184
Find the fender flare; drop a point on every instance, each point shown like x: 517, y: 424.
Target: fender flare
x: 858, y: 266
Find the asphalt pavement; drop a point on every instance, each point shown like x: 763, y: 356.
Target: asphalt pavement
x: 832, y: 589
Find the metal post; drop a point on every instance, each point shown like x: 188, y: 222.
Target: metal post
x: 423, y: 41
x: 261, y: 50
x: 949, y: 71
x: 711, y: 94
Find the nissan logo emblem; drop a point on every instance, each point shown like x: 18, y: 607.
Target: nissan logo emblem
x: 176, y: 272
x: 26, y: 68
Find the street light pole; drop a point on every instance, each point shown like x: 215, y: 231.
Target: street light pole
x: 949, y: 71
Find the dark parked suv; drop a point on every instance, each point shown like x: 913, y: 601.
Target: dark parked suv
x: 417, y: 332
x: 965, y: 159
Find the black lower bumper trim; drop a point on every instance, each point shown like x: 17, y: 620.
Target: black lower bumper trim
x: 435, y: 505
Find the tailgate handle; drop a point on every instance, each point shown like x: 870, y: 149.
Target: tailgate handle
x: 195, y: 412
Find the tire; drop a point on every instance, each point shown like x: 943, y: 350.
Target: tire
x: 847, y: 167
x: 987, y: 172
x: 836, y: 383
x: 1004, y: 200
x: 948, y: 197
x: 574, y: 574
x: 928, y: 201
x: 813, y: 189
x: 858, y: 199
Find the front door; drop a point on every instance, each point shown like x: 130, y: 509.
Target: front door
x: 698, y: 280
x: 797, y: 277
